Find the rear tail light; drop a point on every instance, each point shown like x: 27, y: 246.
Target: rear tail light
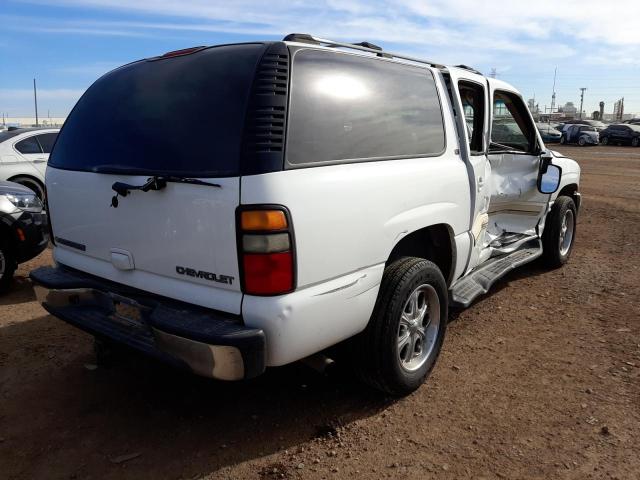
x: 266, y: 250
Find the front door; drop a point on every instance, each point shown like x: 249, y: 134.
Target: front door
x: 515, y: 205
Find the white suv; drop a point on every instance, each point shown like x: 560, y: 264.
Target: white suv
x: 23, y: 156
x: 253, y: 204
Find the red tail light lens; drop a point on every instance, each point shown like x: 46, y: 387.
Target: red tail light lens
x: 266, y: 250
x: 268, y: 274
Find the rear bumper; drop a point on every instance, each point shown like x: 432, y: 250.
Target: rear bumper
x: 209, y: 343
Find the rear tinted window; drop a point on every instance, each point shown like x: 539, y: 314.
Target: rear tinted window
x: 350, y: 108
x: 46, y: 141
x: 28, y: 145
x: 177, y: 116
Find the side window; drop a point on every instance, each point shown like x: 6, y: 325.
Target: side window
x: 347, y: 108
x: 28, y: 145
x: 512, y: 128
x: 46, y: 141
x: 473, y: 105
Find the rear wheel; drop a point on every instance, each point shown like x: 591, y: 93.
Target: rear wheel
x: 401, y: 344
x: 559, y: 232
x: 582, y: 141
x: 604, y: 140
x: 32, y: 184
x: 7, y: 266
x: 563, y: 140
x: 635, y: 142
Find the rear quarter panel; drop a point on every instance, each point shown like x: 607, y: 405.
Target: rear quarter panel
x: 348, y: 217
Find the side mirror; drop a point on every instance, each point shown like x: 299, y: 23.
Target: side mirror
x: 549, y: 180
x: 545, y: 161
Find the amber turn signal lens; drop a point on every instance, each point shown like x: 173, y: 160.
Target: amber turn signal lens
x: 263, y: 220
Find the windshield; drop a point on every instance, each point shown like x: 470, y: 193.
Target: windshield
x: 167, y: 116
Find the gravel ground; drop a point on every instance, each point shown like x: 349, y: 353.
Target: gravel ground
x: 539, y: 379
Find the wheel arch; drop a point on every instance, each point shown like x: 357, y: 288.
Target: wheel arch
x: 571, y: 190
x: 434, y: 242
x: 27, y: 176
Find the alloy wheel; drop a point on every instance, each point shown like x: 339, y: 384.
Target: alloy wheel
x: 418, y: 327
x: 566, y: 232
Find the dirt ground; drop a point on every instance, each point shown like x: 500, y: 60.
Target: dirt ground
x: 539, y: 379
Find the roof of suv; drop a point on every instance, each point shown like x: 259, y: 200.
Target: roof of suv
x: 309, y: 41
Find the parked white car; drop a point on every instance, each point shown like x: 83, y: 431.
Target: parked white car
x: 24, y: 153
x: 313, y: 194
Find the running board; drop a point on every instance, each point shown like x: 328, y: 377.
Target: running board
x: 479, y: 281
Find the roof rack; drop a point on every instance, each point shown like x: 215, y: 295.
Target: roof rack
x: 362, y: 46
x: 470, y: 69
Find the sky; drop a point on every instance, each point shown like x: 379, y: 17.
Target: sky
x: 67, y: 44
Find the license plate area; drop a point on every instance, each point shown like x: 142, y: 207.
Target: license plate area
x: 128, y: 312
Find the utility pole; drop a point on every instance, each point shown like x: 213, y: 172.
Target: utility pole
x: 581, y: 100
x: 553, y: 97
x: 35, y: 100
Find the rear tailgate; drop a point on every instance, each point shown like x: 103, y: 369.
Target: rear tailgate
x: 180, y: 240
x: 181, y: 115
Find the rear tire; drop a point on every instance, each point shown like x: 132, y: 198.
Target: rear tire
x: 399, y: 347
x: 563, y: 140
x: 604, y: 140
x: 559, y: 232
x: 7, y: 266
x: 635, y: 142
x: 32, y: 184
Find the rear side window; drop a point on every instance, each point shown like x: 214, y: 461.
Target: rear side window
x: 349, y: 108
x: 182, y: 115
x: 46, y: 141
x: 28, y: 145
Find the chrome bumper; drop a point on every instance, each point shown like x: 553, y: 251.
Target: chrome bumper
x: 206, y: 343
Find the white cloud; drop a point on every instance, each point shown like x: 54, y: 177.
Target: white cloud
x: 19, y: 101
x: 9, y: 94
x: 92, y: 70
x: 585, y: 19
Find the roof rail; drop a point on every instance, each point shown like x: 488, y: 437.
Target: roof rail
x: 362, y: 46
x: 471, y: 69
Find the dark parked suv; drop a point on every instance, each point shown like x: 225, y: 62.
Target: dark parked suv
x: 621, y: 134
x: 23, y: 229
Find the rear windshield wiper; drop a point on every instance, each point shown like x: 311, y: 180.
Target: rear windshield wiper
x: 157, y: 182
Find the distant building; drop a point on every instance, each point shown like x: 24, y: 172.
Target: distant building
x: 31, y: 121
x: 534, y: 107
x: 569, y: 110
x: 618, y: 110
